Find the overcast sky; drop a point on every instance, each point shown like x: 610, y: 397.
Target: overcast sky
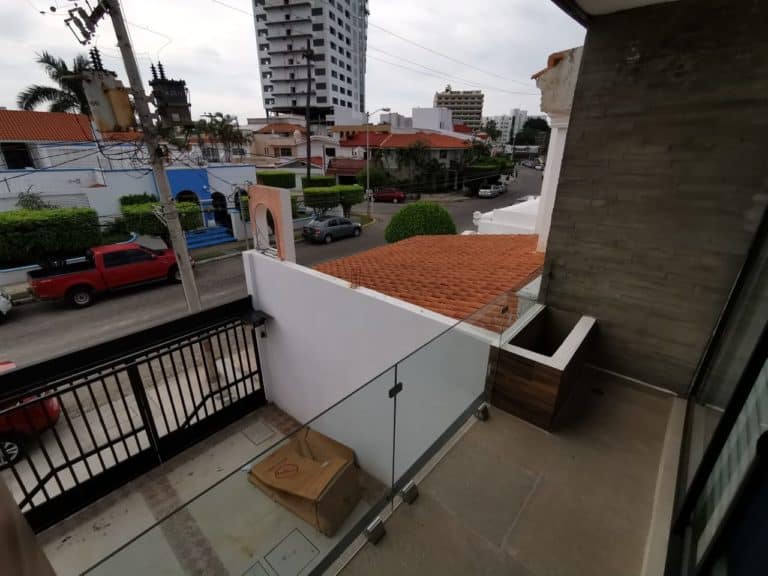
x: 213, y: 48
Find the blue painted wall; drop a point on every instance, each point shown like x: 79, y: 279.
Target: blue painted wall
x: 194, y: 179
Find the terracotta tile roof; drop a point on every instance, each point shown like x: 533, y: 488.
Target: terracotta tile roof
x: 462, y: 129
x: 430, y: 140
x: 345, y: 166
x: 453, y: 275
x: 27, y: 126
x: 122, y: 136
x: 280, y: 128
x: 358, y: 139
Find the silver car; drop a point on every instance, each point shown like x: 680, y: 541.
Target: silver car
x: 329, y: 228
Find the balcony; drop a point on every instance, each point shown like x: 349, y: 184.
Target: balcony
x: 496, y: 495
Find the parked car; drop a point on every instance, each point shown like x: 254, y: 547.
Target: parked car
x: 105, y: 268
x: 388, y: 195
x: 489, y: 191
x: 500, y: 188
x: 528, y: 163
x: 329, y: 228
x: 539, y: 167
x: 31, y: 419
x: 5, y: 305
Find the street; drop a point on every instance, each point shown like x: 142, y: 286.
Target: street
x: 37, y: 331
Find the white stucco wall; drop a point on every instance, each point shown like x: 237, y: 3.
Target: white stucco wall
x: 325, y: 340
x: 516, y: 219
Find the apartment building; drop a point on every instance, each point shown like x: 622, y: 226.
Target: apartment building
x: 337, y: 34
x: 465, y: 105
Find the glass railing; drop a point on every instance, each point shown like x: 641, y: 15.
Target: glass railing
x: 295, y: 505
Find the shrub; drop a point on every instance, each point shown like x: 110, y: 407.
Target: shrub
x: 321, y: 199
x: 277, y: 178
x: 28, y: 236
x: 419, y: 218
x: 479, y: 174
x: 32, y: 201
x: 140, y: 218
x: 318, y: 181
x: 133, y: 199
x: 349, y: 195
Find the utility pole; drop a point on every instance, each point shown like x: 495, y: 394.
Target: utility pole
x: 308, y: 55
x: 178, y: 242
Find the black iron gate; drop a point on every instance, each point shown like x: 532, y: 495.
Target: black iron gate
x: 76, y: 427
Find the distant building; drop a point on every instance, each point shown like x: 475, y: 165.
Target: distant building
x: 518, y: 119
x: 465, y: 105
x: 338, y: 35
x: 432, y: 119
x: 396, y: 120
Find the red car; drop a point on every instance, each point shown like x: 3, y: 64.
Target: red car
x: 31, y: 419
x: 105, y: 268
x: 389, y: 195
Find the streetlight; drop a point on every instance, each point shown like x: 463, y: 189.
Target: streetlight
x: 368, y: 191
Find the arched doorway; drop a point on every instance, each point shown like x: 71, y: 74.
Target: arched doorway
x: 187, y: 196
x: 220, y: 210
x: 265, y: 229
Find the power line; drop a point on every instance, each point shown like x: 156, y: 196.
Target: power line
x: 447, y: 76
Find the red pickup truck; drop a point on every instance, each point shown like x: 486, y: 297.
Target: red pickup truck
x: 105, y: 268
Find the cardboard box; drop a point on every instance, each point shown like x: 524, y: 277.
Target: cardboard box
x: 313, y: 476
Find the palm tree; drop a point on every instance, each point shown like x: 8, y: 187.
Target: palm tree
x: 68, y: 96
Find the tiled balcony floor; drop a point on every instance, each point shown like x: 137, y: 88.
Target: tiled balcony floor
x: 512, y: 499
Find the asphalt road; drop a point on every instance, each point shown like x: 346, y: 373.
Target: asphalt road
x: 38, y: 331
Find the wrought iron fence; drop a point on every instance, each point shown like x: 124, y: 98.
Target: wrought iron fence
x: 76, y: 427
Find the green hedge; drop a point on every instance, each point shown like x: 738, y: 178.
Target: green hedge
x: 28, y: 236
x: 133, y: 199
x: 277, y: 178
x: 140, y: 218
x: 349, y: 195
x: 321, y: 199
x: 419, y: 218
x: 318, y: 181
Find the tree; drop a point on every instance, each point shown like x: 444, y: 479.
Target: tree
x: 491, y: 129
x: 68, y: 95
x: 532, y: 131
x: 221, y: 128
x: 413, y: 157
x: 379, y: 177
x: 536, y: 123
x: 419, y: 218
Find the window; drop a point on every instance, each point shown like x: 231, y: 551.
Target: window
x: 346, y: 26
x: 334, y: 74
x: 265, y: 61
x: 263, y: 46
x: 261, y: 17
x: 268, y: 88
x: 333, y: 60
x: 293, y: 89
x: 331, y: 16
x: 287, y: 31
x: 330, y: 152
x: 269, y: 101
x: 349, y: 104
x: 341, y: 77
x: 349, y: 54
x: 290, y: 47
x: 342, y: 90
x: 443, y: 154
x: 287, y: 16
x: 291, y: 76
x: 318, y: 42
x: 124, y: 257
x: 346, y: 13
x: 320, y: 85
x: 341, y: 50
x: 349, y: 68
x: 290, y: 61
x: 285, y: 152
x: 262, y: 32
x: 333, y: 222
x: 293, y: 102
x: 335, y: 100
x: 317, y: 11
x: 333, y: 45
x: 266, y: 75
x: 322, y: 99
x: 334, y: 88
x: 318, y: 57
x: 349, y: 42
x: 317, y: 27
x: 211, y: 153
x: 319, y: 71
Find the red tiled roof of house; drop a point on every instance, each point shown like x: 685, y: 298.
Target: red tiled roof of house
x: 280, y: 128
x: 27, y: 126
x: 375, y: 138
x: 122, y: 136
x: 345, y: 166
x: 462, y: 129
x: 430, y: 140
x: 453, y: 275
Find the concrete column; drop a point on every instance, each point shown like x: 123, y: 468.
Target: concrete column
x: 559, y: 123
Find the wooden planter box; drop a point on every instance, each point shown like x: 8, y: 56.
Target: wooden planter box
x: 539, y: 363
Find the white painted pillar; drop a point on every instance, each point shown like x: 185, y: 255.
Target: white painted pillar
x: 559, y: 124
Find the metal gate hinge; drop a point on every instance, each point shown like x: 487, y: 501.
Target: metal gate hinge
x: 396, y: 389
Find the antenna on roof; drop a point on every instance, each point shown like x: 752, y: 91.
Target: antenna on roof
x: 154, y: 71
x: 96, y: 59
x: 161, y: 69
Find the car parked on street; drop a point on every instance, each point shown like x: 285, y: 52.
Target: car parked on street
x: 105, y: 268
x: 388, y: 195
x: 329, y: 228
x: 17, y: 425
x: 5, y: 305
x: 490, y: 191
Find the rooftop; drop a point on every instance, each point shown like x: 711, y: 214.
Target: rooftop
x: 28, y: 126
x: 345, y: 166
x: 451, y: 275
x: 280, y: 128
